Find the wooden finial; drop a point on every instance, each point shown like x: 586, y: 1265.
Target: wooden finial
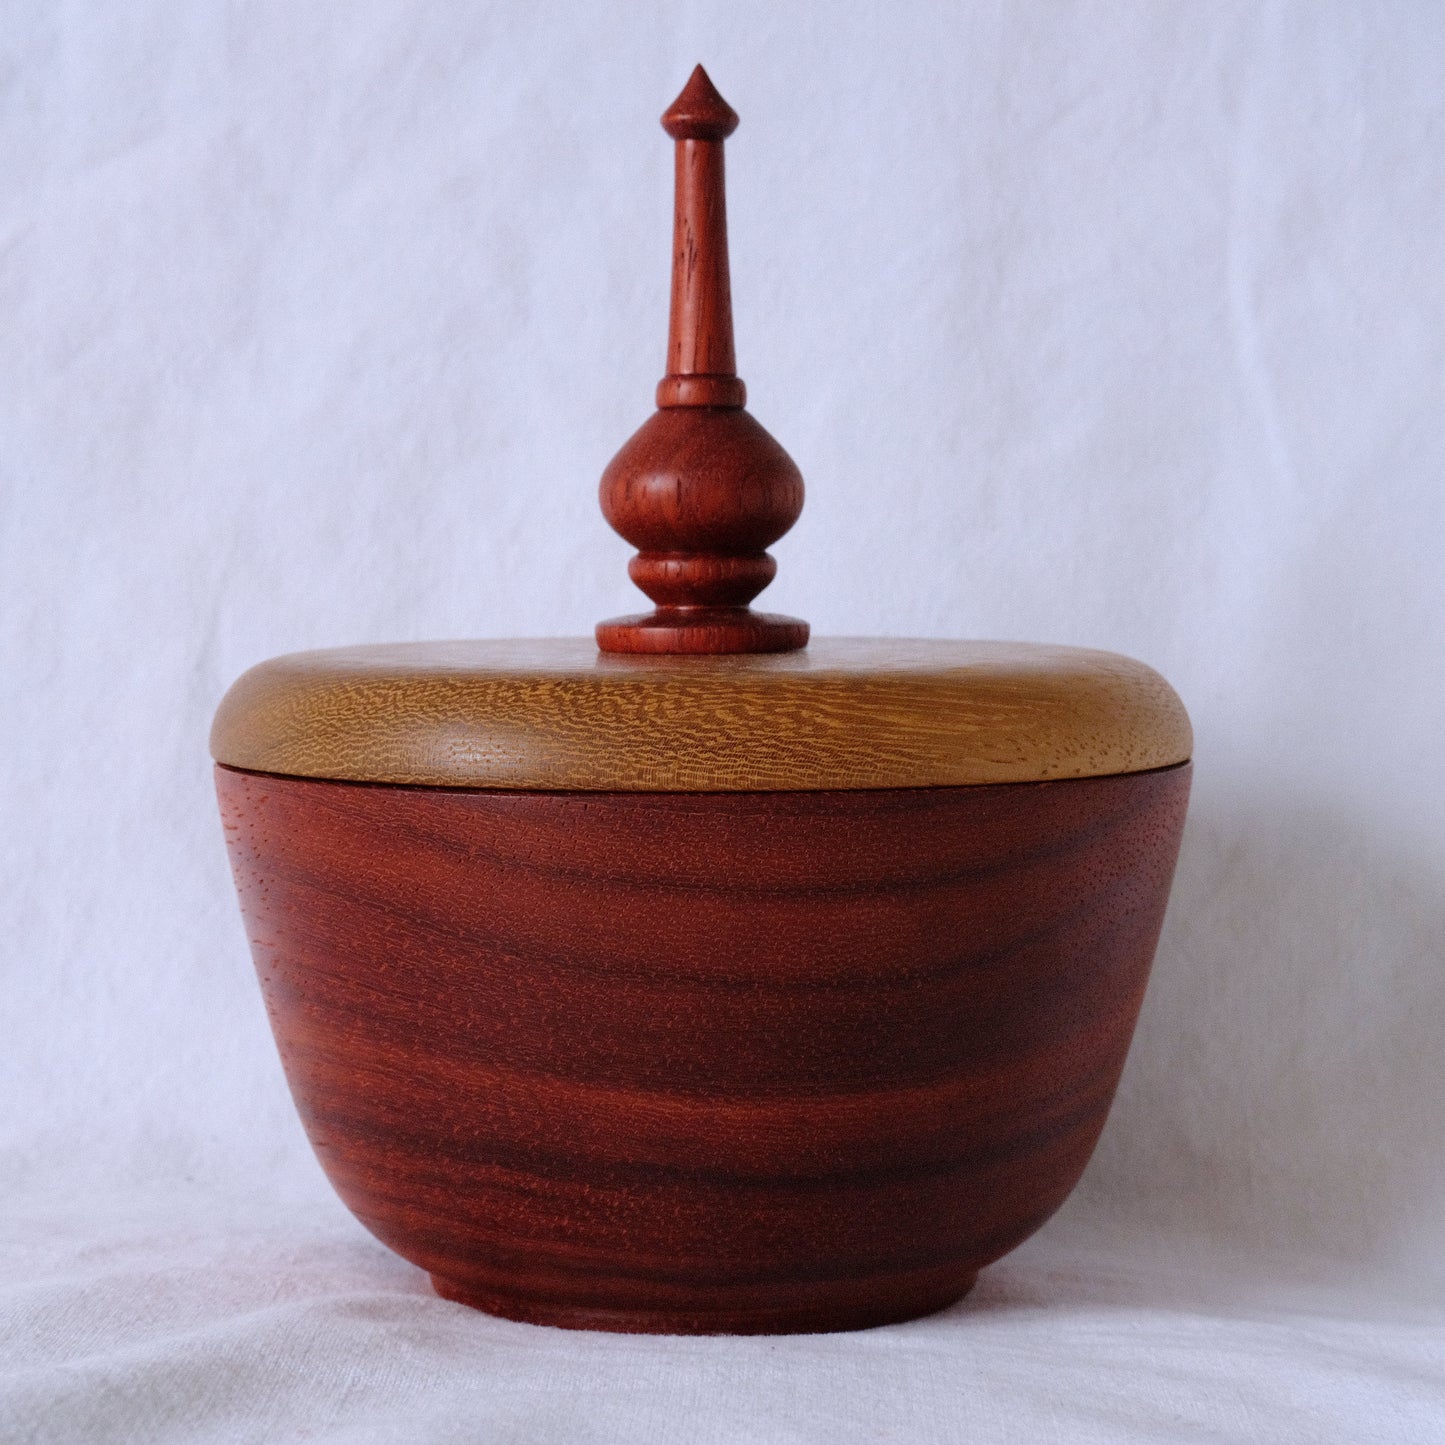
x: 701, y: 489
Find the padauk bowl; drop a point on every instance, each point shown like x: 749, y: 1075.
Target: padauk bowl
x: 674, y: 1054
x: 703, y: 979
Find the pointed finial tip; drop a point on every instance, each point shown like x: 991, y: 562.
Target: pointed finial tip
x: 699, y: 113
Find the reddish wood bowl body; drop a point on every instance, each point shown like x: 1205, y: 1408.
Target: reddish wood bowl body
x: 704, y: 1062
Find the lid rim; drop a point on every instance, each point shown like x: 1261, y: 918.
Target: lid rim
x: 691, y: 792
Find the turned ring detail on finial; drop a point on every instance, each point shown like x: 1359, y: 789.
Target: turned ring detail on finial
x: 701, y: 489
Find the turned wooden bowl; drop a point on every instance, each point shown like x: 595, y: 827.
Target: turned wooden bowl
x: 707, y: 995
x: 701, y: 983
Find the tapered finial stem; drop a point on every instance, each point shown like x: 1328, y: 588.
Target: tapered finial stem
x: 701, y: 365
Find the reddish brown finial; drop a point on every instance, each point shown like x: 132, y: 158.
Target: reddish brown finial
x: 701, y: 489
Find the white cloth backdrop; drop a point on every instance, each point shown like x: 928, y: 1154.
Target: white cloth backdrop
x: 1117, y: 324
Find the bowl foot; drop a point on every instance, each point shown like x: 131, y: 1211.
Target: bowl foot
x: 868, y: 1304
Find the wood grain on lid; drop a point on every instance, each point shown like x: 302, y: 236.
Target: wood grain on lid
x: 555, y: 714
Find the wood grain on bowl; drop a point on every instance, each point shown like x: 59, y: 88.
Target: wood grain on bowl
x: 704, y: 1062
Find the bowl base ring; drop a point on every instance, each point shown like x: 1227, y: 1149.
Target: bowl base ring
x: 860, y: 1312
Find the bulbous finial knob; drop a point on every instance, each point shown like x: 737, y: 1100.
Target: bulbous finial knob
x: 701, y: 489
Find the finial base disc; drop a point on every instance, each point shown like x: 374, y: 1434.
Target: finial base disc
x: 702, y: 631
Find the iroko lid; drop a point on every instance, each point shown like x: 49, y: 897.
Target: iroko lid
x: 560, y: 715
x: 702, y: 694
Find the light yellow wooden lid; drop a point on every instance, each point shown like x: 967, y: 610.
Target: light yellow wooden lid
x: 558, y: 715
